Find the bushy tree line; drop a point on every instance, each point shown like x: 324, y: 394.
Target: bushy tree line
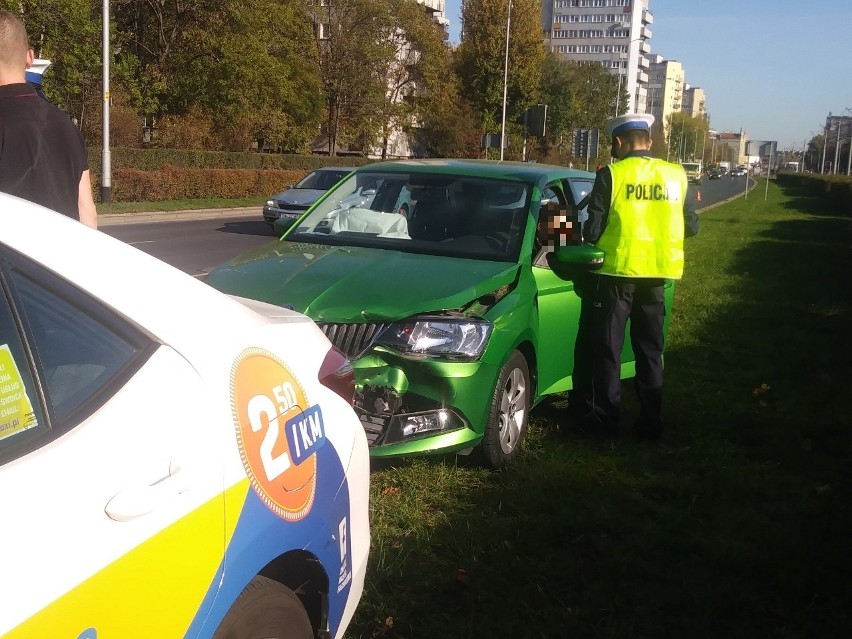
x: 280, y: 74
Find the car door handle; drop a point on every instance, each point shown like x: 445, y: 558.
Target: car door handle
x: 138, y: 501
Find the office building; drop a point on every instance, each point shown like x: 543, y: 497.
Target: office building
x: 614, y: 33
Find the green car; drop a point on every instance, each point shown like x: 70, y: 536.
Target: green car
x: 440, y: 291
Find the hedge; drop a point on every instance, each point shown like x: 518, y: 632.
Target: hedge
x: 150, y: 159
x: 151, y: 175
x: 835, y: 190
x: 179, y: 183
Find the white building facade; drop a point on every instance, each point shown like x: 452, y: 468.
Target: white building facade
x: 613, y: 33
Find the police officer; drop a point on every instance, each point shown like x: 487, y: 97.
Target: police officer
x: 639, y: 216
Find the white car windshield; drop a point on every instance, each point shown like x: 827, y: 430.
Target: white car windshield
x: 431, y: 213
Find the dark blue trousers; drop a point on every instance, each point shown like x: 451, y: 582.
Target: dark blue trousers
x: 614, y: 300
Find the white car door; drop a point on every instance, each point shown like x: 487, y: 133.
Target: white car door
x: 110, y: 467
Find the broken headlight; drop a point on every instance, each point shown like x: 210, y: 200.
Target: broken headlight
x: 444, y: 337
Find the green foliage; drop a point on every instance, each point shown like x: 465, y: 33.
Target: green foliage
x: 171, y: 182
x: 834, y: 190
x: 482, y: 55
x: 578, y: 96
x: 154, y: 158
x: 686, y: 140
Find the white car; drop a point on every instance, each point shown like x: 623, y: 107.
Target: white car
x: 175, y: 462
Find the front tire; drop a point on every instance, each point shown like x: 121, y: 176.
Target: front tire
x: 266, y: 609
x: 509, y: 414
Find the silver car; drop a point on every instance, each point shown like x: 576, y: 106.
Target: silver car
x: 289, y: 205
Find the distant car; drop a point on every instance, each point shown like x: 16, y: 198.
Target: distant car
x: 739, y: 171
x: 456, y: 316
x: 362, y: 197
x: 289, y: 205
x: 715, y: 174
x: 175, y: 462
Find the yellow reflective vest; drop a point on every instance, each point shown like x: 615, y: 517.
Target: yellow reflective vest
x: 645, y: 227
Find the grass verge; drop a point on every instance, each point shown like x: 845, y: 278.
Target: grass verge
x: 177, y: 205
x: 736, y: 525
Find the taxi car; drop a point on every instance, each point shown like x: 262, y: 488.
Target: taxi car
x: 175, y: 462
x: 455, y: 318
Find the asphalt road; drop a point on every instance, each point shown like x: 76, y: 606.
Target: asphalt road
x: 193, y: 241
x: 197, y: 241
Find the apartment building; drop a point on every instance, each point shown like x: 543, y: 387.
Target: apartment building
x: 665, y: 90
x: 694, y: 102
x: 613, y: 33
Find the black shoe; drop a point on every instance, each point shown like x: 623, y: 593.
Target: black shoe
x: 649, y: 430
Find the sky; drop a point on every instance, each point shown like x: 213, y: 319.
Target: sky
x: 773, y: 68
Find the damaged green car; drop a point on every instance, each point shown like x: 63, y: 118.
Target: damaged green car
x: 441, y: 293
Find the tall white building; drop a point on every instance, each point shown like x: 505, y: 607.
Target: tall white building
x: 665, y: 90
x: 437, y: 10
x: 614, y: 33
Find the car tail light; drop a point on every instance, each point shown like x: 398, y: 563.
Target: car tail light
x: 337, y: 374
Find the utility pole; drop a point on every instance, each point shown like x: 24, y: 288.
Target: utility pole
x: 837, y: 148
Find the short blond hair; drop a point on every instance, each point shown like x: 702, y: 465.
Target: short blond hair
x: 13, y: 42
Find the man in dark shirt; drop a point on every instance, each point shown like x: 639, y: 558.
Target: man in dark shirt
x: 42, y: 154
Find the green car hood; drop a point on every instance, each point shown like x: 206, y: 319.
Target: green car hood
x: 353, y: 284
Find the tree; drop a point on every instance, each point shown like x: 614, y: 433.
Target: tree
x: 253, y: 68
x: 577, y: 96
x: 351, y: 62
x: 686, y: 136
x: 411, y: 43
x: 481, y: 58
x: 447, y: 123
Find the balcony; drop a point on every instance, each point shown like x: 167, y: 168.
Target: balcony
x: 647, y: 17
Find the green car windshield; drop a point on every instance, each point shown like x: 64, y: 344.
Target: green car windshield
x: 427, y: 213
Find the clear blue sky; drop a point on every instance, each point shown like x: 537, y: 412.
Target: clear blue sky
x: 774, y: 68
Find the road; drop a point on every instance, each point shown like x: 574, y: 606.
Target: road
x: 195, y: 242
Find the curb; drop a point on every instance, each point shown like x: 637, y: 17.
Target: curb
x: 108, y: 219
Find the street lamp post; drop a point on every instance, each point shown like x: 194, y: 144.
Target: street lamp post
x: 106, y: 160
x: 505, y: 81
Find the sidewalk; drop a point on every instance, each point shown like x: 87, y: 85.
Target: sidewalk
x: 107, y: 219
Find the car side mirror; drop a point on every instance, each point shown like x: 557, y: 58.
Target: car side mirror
x: 577, y: 256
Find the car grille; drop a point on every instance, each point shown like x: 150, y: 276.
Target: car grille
x: 292, y: 207
x: 352, y: 339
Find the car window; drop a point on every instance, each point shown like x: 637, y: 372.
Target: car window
x: 21, y: 415
x: 60, y: 342
x: 321, y: 180
x: 432, y: 213
x: 78, y: 354
x: 552, y: 195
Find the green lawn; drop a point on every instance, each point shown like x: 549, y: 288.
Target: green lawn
x: 736, y: 525
x: 177, y: 205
